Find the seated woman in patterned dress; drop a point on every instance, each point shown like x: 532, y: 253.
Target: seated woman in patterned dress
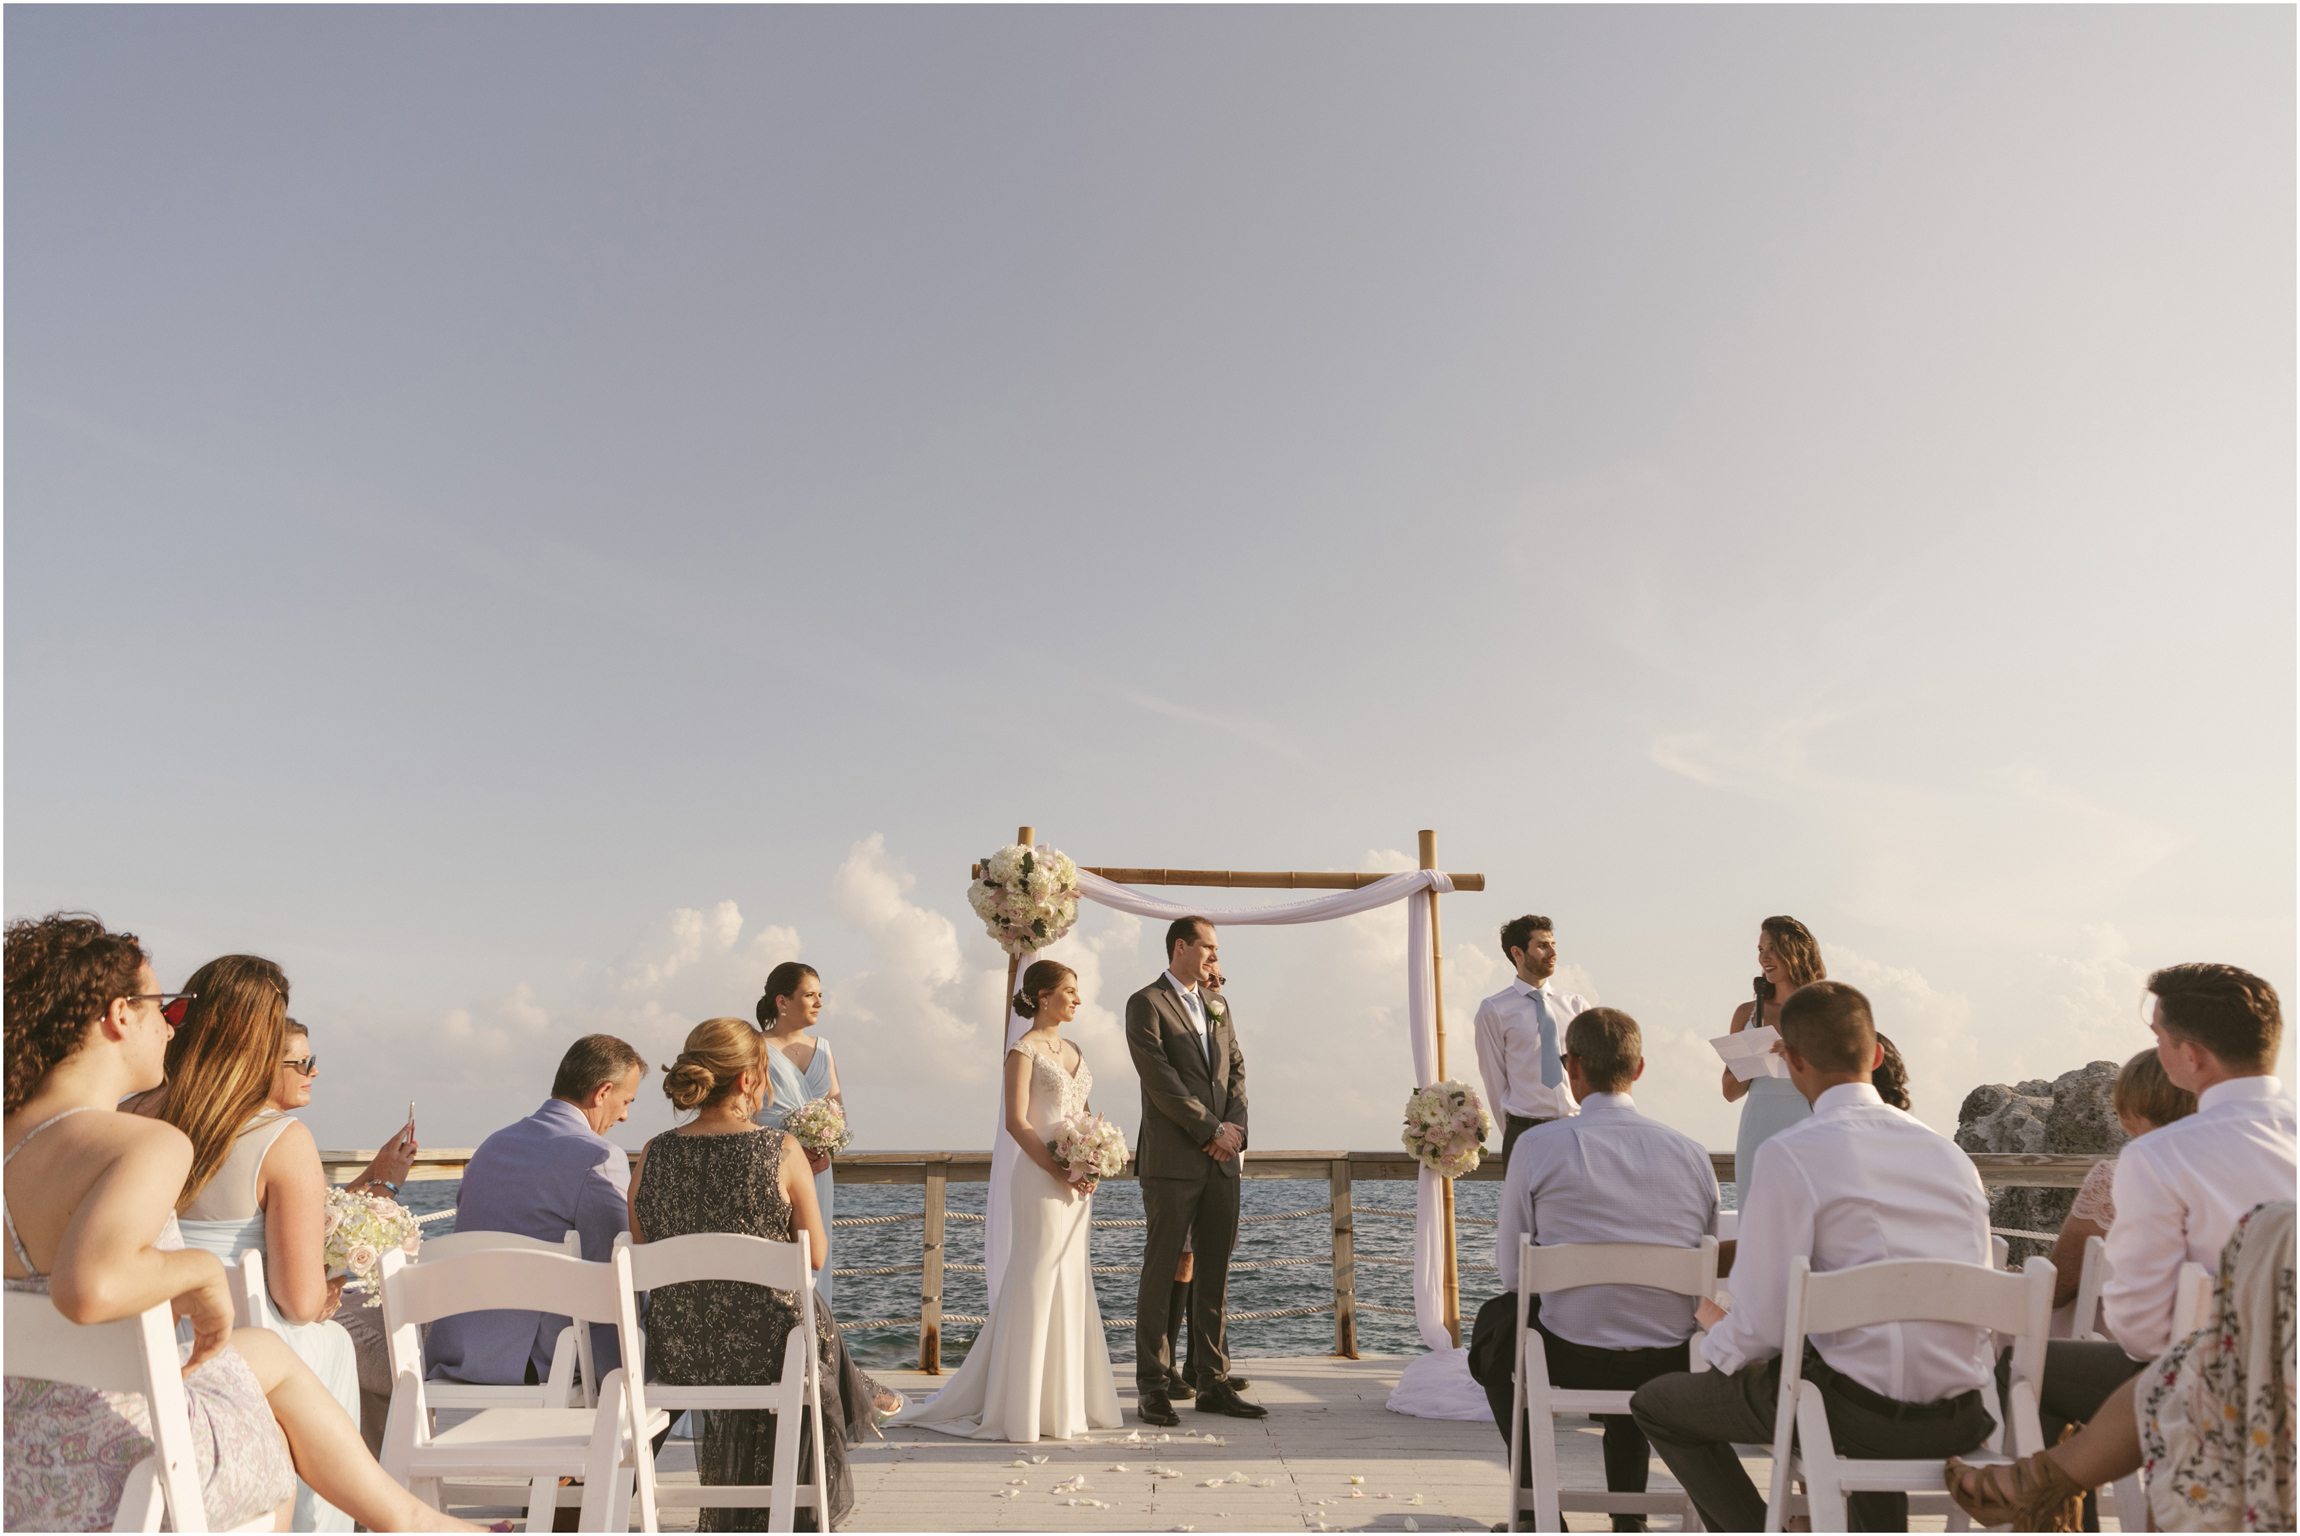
x: 722, y: 1173
x: 90, y: 1215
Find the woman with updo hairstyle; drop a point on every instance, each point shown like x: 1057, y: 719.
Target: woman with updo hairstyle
x: 801, y: 1070
x: 1040, y: 1366
x: 1789, y: 957
x: 721, y: 1172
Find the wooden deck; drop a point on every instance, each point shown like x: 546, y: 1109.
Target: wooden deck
x: 1288, y: 1472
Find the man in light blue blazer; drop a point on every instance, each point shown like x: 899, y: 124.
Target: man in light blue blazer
x: 554, y: 1170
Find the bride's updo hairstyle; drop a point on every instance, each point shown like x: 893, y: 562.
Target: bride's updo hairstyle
x: 783, y: 981
x: 1042, y: 977
x: 718, y: 1052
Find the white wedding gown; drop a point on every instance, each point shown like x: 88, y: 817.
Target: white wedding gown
x: 1040, y: 1366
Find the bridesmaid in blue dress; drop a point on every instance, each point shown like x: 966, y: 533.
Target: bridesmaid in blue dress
x: 801, y: 1070
x: 1790, y: 957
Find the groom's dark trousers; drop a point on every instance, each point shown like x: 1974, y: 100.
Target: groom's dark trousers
x: 1191, y: 1085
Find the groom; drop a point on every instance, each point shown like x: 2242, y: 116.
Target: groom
x: 1193, y: 1128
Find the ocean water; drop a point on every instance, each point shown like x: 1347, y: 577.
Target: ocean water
x: 869, y: 1297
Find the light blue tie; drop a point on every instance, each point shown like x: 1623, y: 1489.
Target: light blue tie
x: 1552, y: 1073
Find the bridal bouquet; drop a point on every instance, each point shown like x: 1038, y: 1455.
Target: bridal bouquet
x: 1027, y: 896
x: 356, y: 1232
x: 1446, y: 1128
x: 1090, y: 1147
x: 820, y: 1126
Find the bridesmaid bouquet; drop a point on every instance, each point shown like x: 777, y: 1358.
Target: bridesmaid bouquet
x: 1446, y: 1128
x: 358, y: 1230
x: 820, y: 1127
x: 1090, y: 1147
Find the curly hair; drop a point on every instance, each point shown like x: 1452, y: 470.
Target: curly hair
x: 1798, y: 951
x: 1891, y: 1079
x: 62, y: 972
x: 224, y: 1057
x: 709, y: 1069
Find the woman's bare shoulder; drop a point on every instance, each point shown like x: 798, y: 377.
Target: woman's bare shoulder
x: 1741, y: 1017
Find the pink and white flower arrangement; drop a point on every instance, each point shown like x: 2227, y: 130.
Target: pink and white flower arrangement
x: 1026, y: 896
x: 820, y: 1126
x: 1446, y: 1128
x: 1089, y: 1148
x: 357, y: 1230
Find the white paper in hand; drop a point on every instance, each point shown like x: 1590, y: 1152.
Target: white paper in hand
x: 1750, y: 1053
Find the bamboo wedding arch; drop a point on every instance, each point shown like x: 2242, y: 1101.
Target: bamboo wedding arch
x: 1315, y: 880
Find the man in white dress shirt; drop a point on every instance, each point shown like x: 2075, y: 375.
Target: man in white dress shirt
x: 1605, y: 1175
x: 1518, y: 1033
x: 1858, y: 1182
x: 2180, y: 1189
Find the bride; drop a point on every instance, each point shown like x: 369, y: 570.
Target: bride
x: 1040, y: 1366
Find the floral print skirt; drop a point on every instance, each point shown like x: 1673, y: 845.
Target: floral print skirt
x: 70, y: 1449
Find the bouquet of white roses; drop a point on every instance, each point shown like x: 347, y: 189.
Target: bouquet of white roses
x: 1027, y: 896
x: 1446, y: 1128
x: 1089, y: 1147
x: 357, y: 1230
x: 820, y: 1126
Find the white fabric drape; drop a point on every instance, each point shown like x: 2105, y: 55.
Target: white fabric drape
x: 1421, y: 1027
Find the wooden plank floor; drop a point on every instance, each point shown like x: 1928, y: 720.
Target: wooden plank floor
x: 1288, y: 1472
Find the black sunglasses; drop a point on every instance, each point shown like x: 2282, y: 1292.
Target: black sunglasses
x: 173, y: 1005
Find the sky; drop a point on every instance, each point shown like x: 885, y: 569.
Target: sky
x: 530, y: 516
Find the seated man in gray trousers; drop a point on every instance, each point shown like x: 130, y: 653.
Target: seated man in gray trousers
x: 1857, y: 1183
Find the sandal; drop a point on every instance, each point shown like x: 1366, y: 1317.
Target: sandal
x: 879, y: 1416
x: 2033, y: 1495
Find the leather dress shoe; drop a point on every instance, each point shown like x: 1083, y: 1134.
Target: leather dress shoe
x: 1153, y: 1408
x: 1180, y: 1391
x: 1236, y: 1383
x: 1222, y: 1400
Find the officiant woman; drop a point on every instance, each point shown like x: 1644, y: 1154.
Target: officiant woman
x: 1790, y: 957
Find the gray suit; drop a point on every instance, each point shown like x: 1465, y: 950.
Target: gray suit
x: 1185, y: 1192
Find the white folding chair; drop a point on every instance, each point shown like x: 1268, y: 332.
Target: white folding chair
x: 2191, y: 1300
x: 2084, y: 1323
x: 1537, y: 1404
x: 755, y: 1261
x: 2000, y: 1254
x: 134, y: 1354
x: 606, y: 1446
x: 251, y: 1303
x: 1900, y: 1291
x: 559, y: 1387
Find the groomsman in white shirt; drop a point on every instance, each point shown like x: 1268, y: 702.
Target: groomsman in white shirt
x: 2180, y: 1188
x: 1856, y: 1183
x: 1604, y: 1175
x: 1519, y: 1030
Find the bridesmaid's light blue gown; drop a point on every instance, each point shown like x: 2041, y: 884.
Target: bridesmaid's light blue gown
x: 792, y: 1089
x: 1773, y: 1105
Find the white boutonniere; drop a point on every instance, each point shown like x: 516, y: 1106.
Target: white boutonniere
x: 1216, y: 1012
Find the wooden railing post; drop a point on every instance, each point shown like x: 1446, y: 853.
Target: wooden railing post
x: 1345, y: 1262
x: 930, y: 1272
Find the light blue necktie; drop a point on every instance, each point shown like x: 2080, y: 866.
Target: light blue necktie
x: 1552, y: 1073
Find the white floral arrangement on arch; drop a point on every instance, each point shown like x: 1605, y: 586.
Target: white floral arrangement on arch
x: 358, y: 1230
x: 1089, y: 1148
x: 1027, y: 896
x: 1446, y: 1127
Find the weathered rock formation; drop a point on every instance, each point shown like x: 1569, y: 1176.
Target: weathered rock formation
x: 2072, y: 1113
